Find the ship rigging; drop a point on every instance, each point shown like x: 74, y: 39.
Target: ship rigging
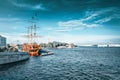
x: 31, y: 46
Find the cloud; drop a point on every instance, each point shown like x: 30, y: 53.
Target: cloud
x: 94, y: 14
x: 48, y: 28
x: 13, y: 21
x: 90, y: 17
x: 109, y: 18
x: 91, y: 39
x: 84, y: 39
x: 62, y: 30
x: 9, y: 19
x: 104, y: 20
x: 58, y: 29
x: 76, y: 23
x: 28, y: 6
x: 96, y: 17
x: 14, y: 37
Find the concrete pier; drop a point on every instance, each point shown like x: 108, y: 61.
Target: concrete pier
x: 9, y: 57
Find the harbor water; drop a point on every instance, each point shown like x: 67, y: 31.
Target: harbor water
x: 67, y: 64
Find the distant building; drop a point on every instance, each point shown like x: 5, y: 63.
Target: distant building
x: 95, y: 45
x: 2, y: 41
x: 70, y: 46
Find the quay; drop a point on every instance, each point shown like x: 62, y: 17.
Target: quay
x: 10, y: 57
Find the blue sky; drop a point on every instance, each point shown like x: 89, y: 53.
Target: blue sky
x: 73, y: 21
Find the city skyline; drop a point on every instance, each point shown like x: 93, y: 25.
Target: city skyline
x: 81, y: 21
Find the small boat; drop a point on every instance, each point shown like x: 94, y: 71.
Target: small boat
x: 45, y: 53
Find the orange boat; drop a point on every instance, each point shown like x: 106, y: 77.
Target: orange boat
x: 33, y: 49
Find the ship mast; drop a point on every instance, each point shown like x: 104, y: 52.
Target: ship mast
x: 31, y: 46
x: 32, y: 31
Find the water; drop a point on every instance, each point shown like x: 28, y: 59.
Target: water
x: 67, y: 64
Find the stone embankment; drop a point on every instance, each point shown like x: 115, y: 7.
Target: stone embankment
x: 9, y: 57
x: 9, y: 54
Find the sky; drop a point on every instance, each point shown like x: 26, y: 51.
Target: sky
x: 72, y: 21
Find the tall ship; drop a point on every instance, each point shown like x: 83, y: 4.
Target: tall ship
x: 31, y: 46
